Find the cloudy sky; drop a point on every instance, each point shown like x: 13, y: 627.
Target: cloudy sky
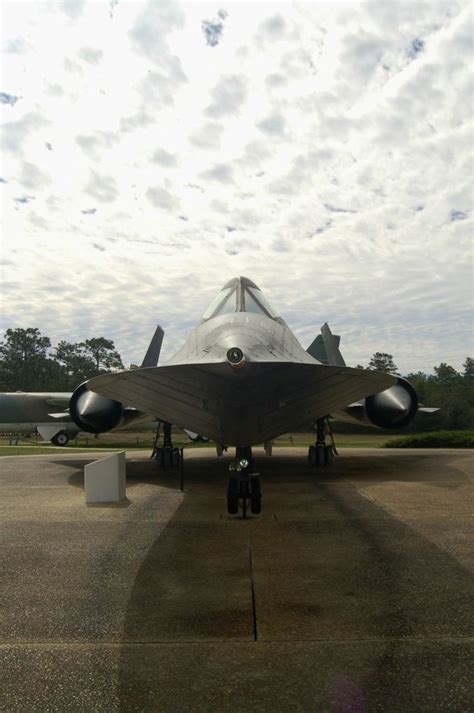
x: 152, y: 151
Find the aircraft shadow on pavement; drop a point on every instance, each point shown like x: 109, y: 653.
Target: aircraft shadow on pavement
x: 333, y: 569
x: 293, y: 468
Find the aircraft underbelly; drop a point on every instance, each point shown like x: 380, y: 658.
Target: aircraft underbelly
x: 239, y: 407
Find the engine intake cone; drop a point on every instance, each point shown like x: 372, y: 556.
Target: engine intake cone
x: 94, y: 413
x: 394, y: 407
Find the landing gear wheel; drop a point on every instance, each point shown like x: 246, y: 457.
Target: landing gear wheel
x: 317, y: 454
x: 168, y: 457
x: 255, y: 496
x: 244, y: 496
x: 329, y: 455
x: 60, y: 439
x: 243, y: 489
x: 320, y: 454
x: 233, y: 496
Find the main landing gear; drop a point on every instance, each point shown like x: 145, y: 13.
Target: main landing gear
x: 321, y: 453
x: 244, y: 485
x: 166, y: 456
x: 60, y: 439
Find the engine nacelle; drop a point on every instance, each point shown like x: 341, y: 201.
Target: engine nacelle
x: 93, y: 413
x: 394, y: 407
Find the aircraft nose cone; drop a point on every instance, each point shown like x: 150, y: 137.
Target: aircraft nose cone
x: 236, y: 357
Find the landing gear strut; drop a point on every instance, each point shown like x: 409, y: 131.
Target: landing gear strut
x: 321, y: 453
x: 166, y: 456
x: 244, y: 485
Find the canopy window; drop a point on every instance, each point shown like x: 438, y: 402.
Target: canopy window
x: 239, y: 295
x: 256, y: 302
x: 223, y: 303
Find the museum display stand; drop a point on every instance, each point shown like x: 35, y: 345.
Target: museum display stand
x: 104, y: 480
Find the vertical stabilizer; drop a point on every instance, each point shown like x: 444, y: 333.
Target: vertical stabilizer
x: 153, y: 352
x: 325, y: 348
x: 317, y: 351
x: 331, y: 346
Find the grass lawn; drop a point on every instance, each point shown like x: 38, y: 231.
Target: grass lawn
x: 130, y: 440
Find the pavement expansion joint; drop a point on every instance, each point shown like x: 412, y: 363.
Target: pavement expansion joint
x: 252, y: 585
x: 226, y: 642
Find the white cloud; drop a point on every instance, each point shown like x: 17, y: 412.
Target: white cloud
x: 102, y: 188
x: 14, y: 133
x: 72, y: 8
x: 151, y: 28
x: 324, y: 150
x: 32, y: 177
x: 94, y: 144
x: 91, y: 55
x: 164, y: 158
x: 219, y: 172
x: 228, y: 96
x: 208, y: 135
x: 273, y: 124
x: 273, y: 27
x: 161, y: 198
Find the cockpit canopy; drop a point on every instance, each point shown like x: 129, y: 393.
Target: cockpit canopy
x: 239, y: 295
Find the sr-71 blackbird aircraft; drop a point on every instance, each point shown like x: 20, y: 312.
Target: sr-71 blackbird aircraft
x: 242, y: 378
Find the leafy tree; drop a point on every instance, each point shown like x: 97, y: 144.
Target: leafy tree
x: 24, y: 363
x: 468, y: 388
x: 103, y: 352
x: 448, y: 390
x: 382, y: 362
x: 445, y: 372
x: 469, y: 367
x: 76, y: 365
x: 28, y: 364
x: 419, y: 381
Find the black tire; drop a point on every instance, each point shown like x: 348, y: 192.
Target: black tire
x: 176, y: 458
x: 255, y: 496
x: 168, y: 457
x: 244, y: 494
x: 233, y: 496
x: 60, y: 439
x: 329, y: 455
x: 320, y: 455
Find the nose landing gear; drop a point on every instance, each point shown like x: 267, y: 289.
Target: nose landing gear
x: 244, y: 486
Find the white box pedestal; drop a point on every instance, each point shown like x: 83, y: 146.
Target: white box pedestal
x: 104, y: 480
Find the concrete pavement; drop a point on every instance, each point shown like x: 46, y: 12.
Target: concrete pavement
x: 352, y: 591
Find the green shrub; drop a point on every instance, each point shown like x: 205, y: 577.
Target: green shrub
x: 434, y: 439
